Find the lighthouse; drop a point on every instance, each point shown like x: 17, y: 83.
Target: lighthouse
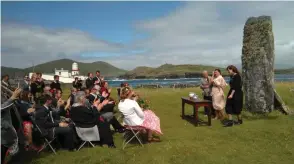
x: 75, y: 69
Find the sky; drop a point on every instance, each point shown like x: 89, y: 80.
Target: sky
x: 131, y: 34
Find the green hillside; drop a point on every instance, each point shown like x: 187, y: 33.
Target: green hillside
x: 169, y: 71
x: 105, y: 68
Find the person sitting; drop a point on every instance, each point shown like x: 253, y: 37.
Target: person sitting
x: 104, y: 88
x: 25, y: 109
x: 85, y: 117
x: 93, y: 94
x: 135, y: 116
x: 58, y: 104
x: 51, y: 127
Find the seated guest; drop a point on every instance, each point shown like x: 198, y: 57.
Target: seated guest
x: 77, y: 84
x: 93, y: 94
x: 135, y: 116
x: 25, y: 109
x: 51, y: 127
x: 104, y: 88
x: 58, y: 104
x: 55, y: 84
x: 85, y: 117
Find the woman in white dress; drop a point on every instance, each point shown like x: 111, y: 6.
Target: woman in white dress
x: 135, y: 116
x: 217, y: 93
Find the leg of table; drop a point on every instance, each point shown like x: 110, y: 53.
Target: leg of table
x: 196, y: 115
x: 183, y: 109
x: 209, y: 115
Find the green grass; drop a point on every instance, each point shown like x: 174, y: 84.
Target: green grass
x: 267, y: 139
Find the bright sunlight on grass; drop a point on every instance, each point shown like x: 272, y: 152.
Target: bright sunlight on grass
x: 266, y: 139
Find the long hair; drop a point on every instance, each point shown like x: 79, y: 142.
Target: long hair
x: 233, y: 68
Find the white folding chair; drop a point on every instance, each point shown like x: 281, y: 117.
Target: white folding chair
x: 87, y: 135
x: 135, y: 131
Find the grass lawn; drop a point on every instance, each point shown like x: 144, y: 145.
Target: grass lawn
x: 261, y: 139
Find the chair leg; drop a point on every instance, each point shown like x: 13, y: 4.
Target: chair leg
x: 135, y: 135
x: 82, y: 145
x: 91, y: 144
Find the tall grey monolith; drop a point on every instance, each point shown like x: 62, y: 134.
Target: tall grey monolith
x: 258, y: 64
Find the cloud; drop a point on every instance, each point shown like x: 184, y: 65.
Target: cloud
x: 211, y: 33
x: 208, y: 33
x: 32, y: 43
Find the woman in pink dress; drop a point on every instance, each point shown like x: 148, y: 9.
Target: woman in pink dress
x: 135, y: 116
x: 217, y: 93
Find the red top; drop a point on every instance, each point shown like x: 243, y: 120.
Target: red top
x: 103, y: 89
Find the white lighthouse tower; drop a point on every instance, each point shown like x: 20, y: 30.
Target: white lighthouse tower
x: 75, y: 69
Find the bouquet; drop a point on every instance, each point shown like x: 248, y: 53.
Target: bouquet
x: 143, y: 103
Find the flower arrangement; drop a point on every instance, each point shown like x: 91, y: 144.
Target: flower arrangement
x: 143, y: 103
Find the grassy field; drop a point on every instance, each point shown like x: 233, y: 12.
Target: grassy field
x: 261, y: 139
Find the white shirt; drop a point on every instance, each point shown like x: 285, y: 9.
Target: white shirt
x: 132, y: 112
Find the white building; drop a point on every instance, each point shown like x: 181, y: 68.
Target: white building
x: 64, y: 75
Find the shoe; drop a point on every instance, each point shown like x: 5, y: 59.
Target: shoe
x: 239, y: 122
x: 121, y: 130
x: 112, y: 146
x: 229, y: 123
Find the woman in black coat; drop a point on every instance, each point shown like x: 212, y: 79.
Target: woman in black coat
x: 234, y: 102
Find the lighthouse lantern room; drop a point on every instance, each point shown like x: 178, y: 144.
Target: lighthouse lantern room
x: 75, y: 69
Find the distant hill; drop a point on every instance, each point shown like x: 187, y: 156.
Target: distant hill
x: 106, y: 69
x: 12, y: 72
x: 285, y: 71
x: 170, y: 71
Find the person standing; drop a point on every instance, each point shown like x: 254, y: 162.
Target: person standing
x: 89, y: 81
x: 217, y: 93
x: 5, y: 81
x: 206, y: 91
x: 234, y: 103
x: 97, y: 79
x: 55, y: 84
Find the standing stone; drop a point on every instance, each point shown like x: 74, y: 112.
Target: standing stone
x: 258, y: 64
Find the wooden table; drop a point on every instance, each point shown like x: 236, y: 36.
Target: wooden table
x: 196, y: 104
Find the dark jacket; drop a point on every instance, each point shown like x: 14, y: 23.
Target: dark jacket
x: 77, y: 85
x: 45, y: 121
x: 55, y: 85
x: 84, y: 117
x: 97, y: 78
x: 89, y: 83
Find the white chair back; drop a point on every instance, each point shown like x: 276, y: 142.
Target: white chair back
x: 88, y: 134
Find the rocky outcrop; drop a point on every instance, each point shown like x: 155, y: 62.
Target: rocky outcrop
x: 258, y: 64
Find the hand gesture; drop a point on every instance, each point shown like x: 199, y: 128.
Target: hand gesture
x: 63, y: 124
x: 109, y: 90
x: 104, y: 94
x: 105, y: 102
x: 96, y: 102
x: 230, y: 97
x: 60, y: 102
x: 31, y: 110
x: 16, y: 94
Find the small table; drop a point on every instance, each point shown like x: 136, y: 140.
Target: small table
x: 196, y: 104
